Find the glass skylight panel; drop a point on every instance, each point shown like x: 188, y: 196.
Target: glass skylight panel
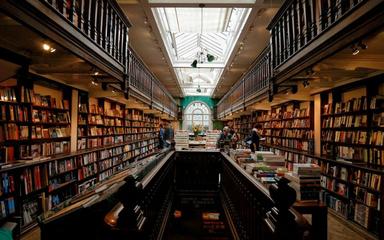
x: 194, y: 33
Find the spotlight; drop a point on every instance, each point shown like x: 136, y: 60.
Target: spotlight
x: 53, y: 50
x: 362, y: 45
x: 96, y: 73
x: 355, y: 50
x: 46, y: 47
x: 113, y: 91
x: 94, y: 83
x: 305, y: 83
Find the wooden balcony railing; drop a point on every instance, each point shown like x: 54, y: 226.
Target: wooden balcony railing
x: 102, y: 21
x: 139, y: 76
x: 254, y: 82
x: 299, y: 22
x: 142, y: 81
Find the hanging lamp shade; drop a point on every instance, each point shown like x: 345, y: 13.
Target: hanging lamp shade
x: 194, y: 64
x: 210, y: 57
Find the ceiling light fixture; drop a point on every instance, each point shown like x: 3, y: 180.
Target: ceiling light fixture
x: 198, y: 89
x: 362, y: 45
x: 48, y: 48
x: 355, y: 50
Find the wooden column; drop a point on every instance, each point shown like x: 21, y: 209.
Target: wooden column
x: 317, y: 123
x: 74, y: 121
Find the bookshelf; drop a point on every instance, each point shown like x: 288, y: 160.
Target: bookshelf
x: 288, y: 129
x: 351, y: 134
x: 38, y: 168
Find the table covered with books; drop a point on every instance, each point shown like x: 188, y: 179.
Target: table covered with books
x: 265, y: 168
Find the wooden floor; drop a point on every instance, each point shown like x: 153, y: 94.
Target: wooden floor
x: 337, y: 230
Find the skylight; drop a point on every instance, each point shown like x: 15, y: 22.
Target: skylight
x: 204, y: 35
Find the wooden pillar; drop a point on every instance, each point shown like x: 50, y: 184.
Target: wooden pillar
x: 317, y: 123
x: 74, y: 121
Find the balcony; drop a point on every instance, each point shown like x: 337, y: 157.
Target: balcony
x: 254, y: 84
x: 97, y: 31
x: 145, y: 86
x: 304, y: 32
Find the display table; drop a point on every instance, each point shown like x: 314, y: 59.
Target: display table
x: 316, y: 209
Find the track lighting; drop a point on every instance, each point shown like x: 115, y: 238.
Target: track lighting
x: 46, y: 47
x: 355, y: 50
x: 362, y: 45
x: 305, y: 83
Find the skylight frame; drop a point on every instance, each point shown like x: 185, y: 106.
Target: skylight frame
x: 182, y: 54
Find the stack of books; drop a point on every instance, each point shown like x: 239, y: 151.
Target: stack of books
x: 270, y: 159
x: 181, y: 139
x: 212, y: 137
x: 305, y: 179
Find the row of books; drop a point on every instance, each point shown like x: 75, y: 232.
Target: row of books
x: 345, y: 121
x: 83, y: 107
x: 95, y: 119
x: 46, y: 116
x: 111, y: 152
x: 95, y: 109
x: 290, y: 133
x: 33, y: 179
x: 355, y: 104
x: 114, y: 113
x: 368, y: 198
x: 43, y: 150
x: 61, y: 166
x: 367, y: 179
x: 87, y: 171
x: 352, y: 153
x: 88, y: 158
x: 334, y: 185
x: 7, y: 184
x: 60, y: 180
x: 14, y: 113
x: 298, y: 144
x: 346, y: 137
x: 304, y: 112
x: 134, y: 114
x: 335, y: 171
x: 297, y: 123
x: 113, y: 122
x: 7, y: 207
x: 338, y: 205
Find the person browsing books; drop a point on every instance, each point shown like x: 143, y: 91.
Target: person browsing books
x: 254, y: 139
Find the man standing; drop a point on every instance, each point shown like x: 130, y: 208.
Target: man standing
x: 161, y: 137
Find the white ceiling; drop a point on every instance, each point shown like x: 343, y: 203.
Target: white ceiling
x: 191, y: 34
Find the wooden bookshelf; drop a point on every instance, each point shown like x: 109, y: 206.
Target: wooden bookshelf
x: 352, y: 136
x: 289, y: 129
x: 38, y: 170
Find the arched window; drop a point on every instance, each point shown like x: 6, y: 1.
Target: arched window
x: 197, y: 113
